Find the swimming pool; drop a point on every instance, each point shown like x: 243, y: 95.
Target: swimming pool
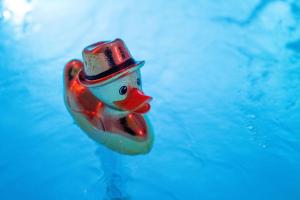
x: 225, y: 77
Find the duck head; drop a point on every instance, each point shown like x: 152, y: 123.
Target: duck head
x: 124, y: 94
x: 113, y: 76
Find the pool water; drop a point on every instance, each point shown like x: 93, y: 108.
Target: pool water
x: 225, y: 77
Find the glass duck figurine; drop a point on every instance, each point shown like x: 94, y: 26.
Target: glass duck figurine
x: 105, y: 98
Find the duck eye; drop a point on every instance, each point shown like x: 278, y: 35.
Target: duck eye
x: 123, y: 90
x: 138, y: 81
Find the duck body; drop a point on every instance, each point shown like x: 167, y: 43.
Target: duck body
x: 112, y: 119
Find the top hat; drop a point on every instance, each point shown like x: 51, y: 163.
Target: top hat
x: 106, y: 61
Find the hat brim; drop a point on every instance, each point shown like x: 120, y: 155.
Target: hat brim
x: 110, y: 77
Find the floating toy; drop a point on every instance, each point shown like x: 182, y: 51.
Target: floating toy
x: 105, y: 98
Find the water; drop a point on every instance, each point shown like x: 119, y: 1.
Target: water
x: 225, y: 77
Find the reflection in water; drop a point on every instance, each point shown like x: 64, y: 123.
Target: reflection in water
x: 17, y: 14
x: 114, y: 174
x: 16, y: 10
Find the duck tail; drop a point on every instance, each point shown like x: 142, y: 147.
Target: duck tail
x: 71, y: 70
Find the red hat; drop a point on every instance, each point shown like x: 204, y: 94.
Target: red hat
x: 106, y: 61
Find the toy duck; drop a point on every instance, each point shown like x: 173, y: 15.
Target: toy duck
x: 105, y: 98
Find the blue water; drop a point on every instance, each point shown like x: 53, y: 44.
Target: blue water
x: 225, y: 77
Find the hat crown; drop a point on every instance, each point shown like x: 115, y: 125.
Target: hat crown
x: 104, y: 56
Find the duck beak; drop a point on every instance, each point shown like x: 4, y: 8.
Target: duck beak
x: 135, y: 101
